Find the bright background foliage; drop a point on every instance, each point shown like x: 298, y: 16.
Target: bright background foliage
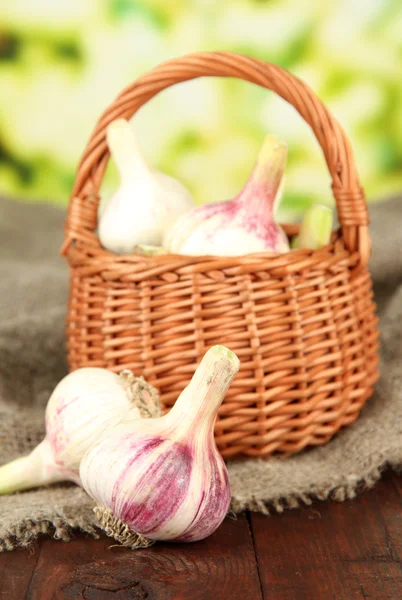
x: 61, y: 63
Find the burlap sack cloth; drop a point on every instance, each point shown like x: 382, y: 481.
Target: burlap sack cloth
x: 33, y: 291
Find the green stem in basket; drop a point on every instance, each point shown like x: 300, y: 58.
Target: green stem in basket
x: 316, y: 227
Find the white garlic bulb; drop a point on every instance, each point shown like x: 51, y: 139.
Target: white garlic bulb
x: 242, y: 225
x: 84, y: 404
x: 164, y: 479
x: 147, y: 201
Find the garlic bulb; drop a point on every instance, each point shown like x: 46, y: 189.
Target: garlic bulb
x: 242, y: 225
x: 146, y: 202
x: 164, y: 479
x: 82, y: 406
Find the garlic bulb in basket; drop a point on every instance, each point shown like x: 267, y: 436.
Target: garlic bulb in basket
x: 146, y: 202
x: 82, y: 406
x: 164, y: 479
x: 242, y: 225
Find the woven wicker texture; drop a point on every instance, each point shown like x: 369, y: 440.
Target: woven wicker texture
x: 302, y: 323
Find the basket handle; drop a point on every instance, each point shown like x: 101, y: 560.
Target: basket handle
x: 349, y: 196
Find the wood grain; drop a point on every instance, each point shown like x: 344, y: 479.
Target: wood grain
x: 16, y: 571
x: 343, y: 551
x: 330, y: 551
x: 223, y: 566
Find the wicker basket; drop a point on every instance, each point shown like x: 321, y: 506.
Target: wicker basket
x: 303, y: 323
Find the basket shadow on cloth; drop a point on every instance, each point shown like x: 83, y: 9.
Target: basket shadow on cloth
x: 302, y: 323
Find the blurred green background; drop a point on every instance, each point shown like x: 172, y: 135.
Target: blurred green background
x: 61, y: 63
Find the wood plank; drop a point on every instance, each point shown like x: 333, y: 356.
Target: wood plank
x: 222, y: 566
x: 16, y: 571
x: 389, y: 503
x: 332, y: 550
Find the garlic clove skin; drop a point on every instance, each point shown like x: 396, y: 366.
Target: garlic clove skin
x: 83, y: 404
x: 81, y: 407
x: 164, y: 479
x: 147, y: 201
x: 243, y: 225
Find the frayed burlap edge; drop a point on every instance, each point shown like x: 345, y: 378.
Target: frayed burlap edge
x: 338, y: 494
x: 26, y: 533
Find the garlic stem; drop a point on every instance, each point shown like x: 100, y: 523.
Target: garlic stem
x: 200, y: 400
x: 30, y: 471
x: 264, y: 190
x: 316, y: 227
x: 125, y: 150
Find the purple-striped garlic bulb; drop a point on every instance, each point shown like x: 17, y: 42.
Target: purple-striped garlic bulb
x: 84, y: 404
x: 163, y: 478
x: 242, y: 225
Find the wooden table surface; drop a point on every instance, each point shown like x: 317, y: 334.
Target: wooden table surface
x: 329, y: 551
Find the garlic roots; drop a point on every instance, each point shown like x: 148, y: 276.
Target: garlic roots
x: 146, y: 202
x: 84, y: 404
x: 242, y: 225
x: 164, y: 479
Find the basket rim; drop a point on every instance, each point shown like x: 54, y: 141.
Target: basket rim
x: 93, y: 260
x: 348, y: 193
